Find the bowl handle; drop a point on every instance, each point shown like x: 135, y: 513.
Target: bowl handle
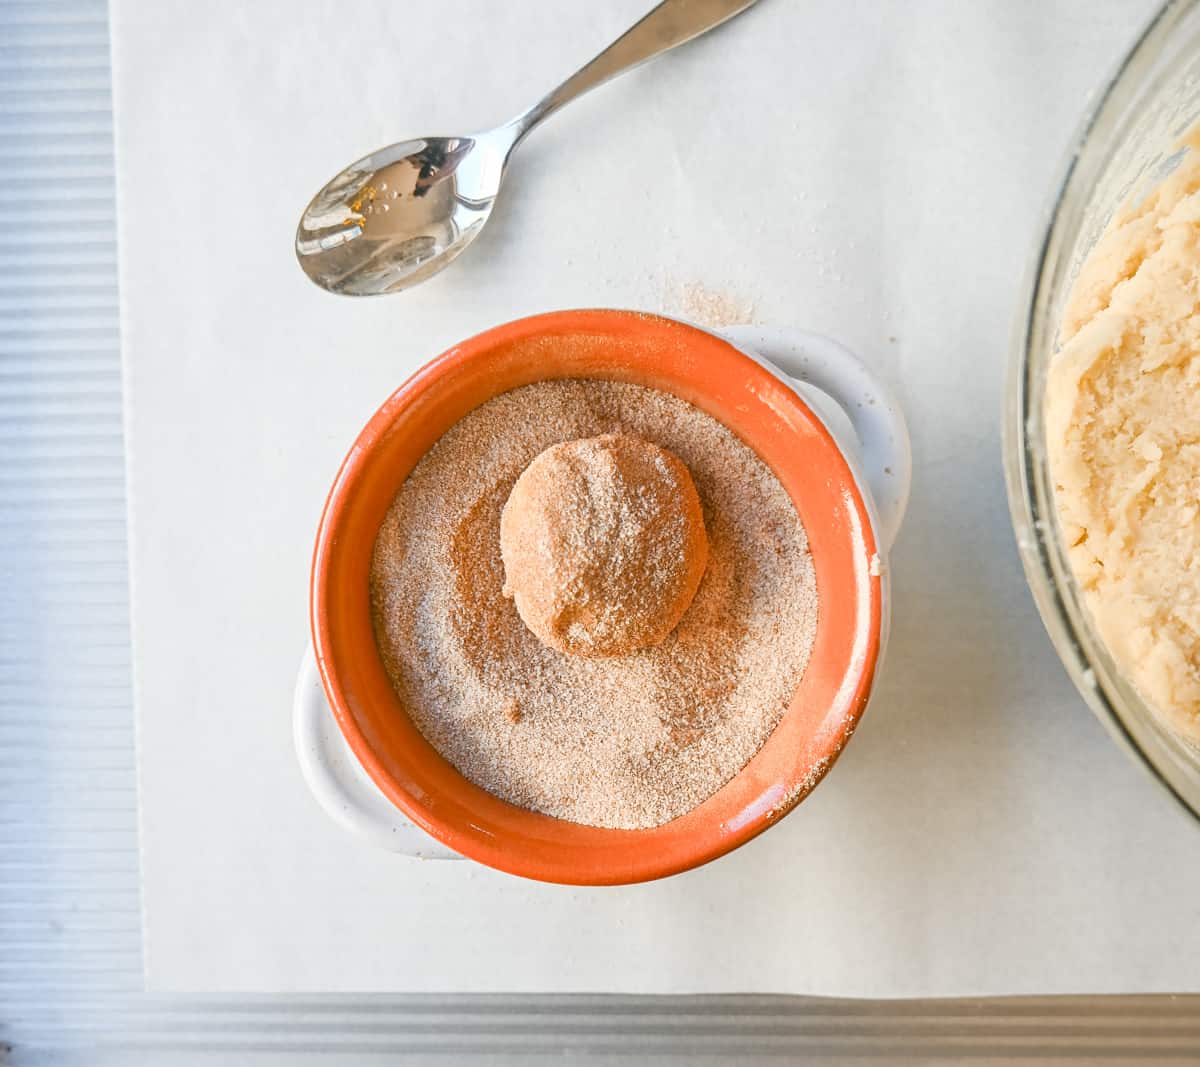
x: 879, y: 451
x: 338, y: 782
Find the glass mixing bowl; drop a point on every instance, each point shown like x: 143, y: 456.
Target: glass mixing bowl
x: 1126, y: 144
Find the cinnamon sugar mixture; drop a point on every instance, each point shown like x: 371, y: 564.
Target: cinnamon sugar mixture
x: 629, y: 741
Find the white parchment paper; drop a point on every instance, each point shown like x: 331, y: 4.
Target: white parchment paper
x: 874, y: 171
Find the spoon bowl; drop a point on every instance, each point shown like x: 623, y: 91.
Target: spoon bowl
x: 399, y: 215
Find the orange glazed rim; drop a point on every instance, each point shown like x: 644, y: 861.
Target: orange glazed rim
x: 769, y: 417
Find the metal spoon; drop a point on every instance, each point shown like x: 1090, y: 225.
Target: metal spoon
x: 399, y: 215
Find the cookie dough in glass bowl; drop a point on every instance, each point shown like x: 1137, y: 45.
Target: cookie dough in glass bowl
x: 1105, y: 556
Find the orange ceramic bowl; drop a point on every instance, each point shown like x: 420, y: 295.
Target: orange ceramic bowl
x: 768, y: 416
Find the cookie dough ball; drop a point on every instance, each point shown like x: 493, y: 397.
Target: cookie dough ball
x: 603, y: 545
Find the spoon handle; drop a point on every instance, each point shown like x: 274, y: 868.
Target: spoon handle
x: 671, y: 23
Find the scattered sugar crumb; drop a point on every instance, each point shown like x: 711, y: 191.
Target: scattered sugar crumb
x: 712, y: 308
x: 801, y: 789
